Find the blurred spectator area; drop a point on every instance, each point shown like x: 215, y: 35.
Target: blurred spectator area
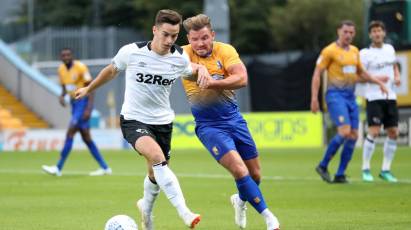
x: 281, y: 81
x: 86, y: 42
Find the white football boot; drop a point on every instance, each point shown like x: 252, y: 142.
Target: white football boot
x: 146, y: 217
x: 191, y: 219
x: 52, y: 170
x: 239, y: 211
x: 101, y: 172
x: 272, y: 223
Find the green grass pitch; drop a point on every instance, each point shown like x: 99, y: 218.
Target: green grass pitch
x: 30, y: 199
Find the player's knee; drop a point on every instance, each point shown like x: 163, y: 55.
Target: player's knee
x: 255, y: 173
x: 374, y: 131
x: 256, y: 176
x: 86, y: 139
x: 152, y: 154
x: 239, y: 171
x: 392, y: 134
x: 373, y: 134
x: 156, y: 158
x: 234, y: 164
x: 85, y: 135
x: 345, y: 134
x: 71, y: 132
x: 353, y: 136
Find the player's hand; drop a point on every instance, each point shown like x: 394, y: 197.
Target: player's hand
x: 62, y: 101
x: 86, y: 114
x: 81, y: 92
x: 397, y: 81
x: 315, y: 106
x: 207, y: 82
x: 384, y: 89
x: 383, y: 79
x: 204, y: 80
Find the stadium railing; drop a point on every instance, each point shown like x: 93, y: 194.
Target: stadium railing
x: 32, y: 87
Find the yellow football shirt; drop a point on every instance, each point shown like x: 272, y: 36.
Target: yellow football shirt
x: 222, y: 56
x: 75, y: 77
x: 342, y: 66
x: 212, y: 104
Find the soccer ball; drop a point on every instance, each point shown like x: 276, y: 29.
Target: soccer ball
x: 121, y: 222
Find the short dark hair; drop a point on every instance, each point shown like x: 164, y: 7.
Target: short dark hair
x: 345, y: 23
x: 197, y: 23
x: 66, y: 49
x: 376, y: 23
x: 168, y: 16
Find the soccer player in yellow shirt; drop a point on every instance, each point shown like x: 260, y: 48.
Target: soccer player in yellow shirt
x: 219, y: 124
x: 73, y: 75
x: 342, y: 62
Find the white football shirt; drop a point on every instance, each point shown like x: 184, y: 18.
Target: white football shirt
x: 149, y: 77
x: 378, y: 62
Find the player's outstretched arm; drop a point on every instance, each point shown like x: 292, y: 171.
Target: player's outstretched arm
x: 203, y: 77
x: 62, y: 95
x: 379, y: 80
x: 89, y: 108
x: 397, y: 78
x: 105, y: 75
x: 237, y: 78
x: 315, y: 87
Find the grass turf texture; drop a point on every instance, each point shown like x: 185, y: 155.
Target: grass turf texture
x: 29, y: 199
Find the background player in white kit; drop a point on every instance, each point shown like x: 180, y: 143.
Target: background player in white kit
x: 379, y: 59
x: 146, y: 116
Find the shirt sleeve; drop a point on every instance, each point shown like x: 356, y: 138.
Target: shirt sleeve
x: 188, y: 70
x: 61, y: 78
x: 363, y: 58
x: 120, y: 61
x: 85, y: 73
x: 393, y: 53
x: 361, y: 65
x: 324, y: 59
x: 230, y: 56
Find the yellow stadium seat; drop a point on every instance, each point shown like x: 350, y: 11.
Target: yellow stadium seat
x: 11, y: 123
x: 11, y: 107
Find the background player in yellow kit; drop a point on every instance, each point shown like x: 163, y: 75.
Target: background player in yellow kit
x: 73, y: 75
x: 342, y: 61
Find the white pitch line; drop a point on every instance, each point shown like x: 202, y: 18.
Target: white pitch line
x: 187, y: 175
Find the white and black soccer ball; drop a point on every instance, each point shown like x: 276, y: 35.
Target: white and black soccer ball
x: 121, y: 222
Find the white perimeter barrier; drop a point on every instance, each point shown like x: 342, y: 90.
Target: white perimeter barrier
x: 53, y: 140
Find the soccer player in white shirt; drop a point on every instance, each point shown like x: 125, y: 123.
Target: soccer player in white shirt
x: 379, y: 59
x: 146, y: 116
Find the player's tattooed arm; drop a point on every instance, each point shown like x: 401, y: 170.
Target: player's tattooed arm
x: 237, y: 78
